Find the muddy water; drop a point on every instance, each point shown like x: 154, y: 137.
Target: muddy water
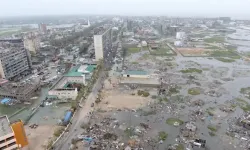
x: 237, y: 72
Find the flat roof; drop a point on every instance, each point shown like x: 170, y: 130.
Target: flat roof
x: 136, y: 72
x: 73, y: 72
x: 4, y: 126
x: 91, y: 68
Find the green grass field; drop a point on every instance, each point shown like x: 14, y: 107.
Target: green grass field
x: 133, y: 50
x: 216, y: 39
x: 163, y: 51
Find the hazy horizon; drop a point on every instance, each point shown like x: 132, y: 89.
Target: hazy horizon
x: 176, y: 8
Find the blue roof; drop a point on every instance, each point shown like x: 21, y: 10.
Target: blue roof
x: 135, y: 72
x: 5, y: 100
x: 67, y: 116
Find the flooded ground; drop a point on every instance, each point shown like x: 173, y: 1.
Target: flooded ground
x: 200, y: 92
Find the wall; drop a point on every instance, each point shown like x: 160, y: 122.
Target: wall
x: 137, y: 76
x: 20, y: 135
x: 64, y: 94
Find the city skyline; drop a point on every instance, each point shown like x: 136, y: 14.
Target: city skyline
x: 177, y: 8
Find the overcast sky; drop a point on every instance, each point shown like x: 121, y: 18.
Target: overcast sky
x: 185, y: 8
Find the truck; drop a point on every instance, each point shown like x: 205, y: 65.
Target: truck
x: 67, y: 117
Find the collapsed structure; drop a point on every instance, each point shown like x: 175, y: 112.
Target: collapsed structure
x: 21, y: 91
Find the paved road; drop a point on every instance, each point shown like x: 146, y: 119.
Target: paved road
x: 75, y: 128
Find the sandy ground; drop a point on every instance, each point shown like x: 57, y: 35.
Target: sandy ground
x: 113, y: 98
x: 193, y: 51
x: 118, y: 100
x: 39, y: 137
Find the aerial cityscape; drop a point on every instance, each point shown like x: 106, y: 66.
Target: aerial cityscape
x: 124, y: 82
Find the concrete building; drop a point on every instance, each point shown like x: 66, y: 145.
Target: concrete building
x: 172, y: 30
x: 31, y: 43
x: 66, y: 87
x: 7, y: 136
x: 43, y: 28
x: 15, y: 60
x: 87, y: 25
x: 102, y: 44
x: 178, y: 43
x: 144, y: 44
x: 180, y: 35
x: 21, y: 91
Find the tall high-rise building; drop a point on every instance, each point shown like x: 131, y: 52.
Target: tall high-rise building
x: 129, y: 25
x: 12, y: 136
x: 31, y: 43
x: 15, y: 60
x: 102, y: 44
x: 43, y: 28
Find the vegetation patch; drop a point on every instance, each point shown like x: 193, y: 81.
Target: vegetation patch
x: 210, y: 111
x: 225, y: 53
x: 212, y: 134
x: 153, y: 96
x: 148, y: 113
x: 180, y: 147
x: 163, y: 50
x: 163, y: 99
x: 191, y: 70
x: 215, y: 39
x: 244, y: 105
x: 133, y: 50
x: 178, y: 98
x: 245, y: 90
x: 162, y: 136
x: 174, y: 121
x: 135, y: 62
x: 129, y: 132
x: 212, y: 128
x: 174, y: 90
x: 227, y: 60
x: 58, y: 131
x: 194, y: 91
x: 143, y: 93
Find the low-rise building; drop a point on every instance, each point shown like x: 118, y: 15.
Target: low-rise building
x: 67, y: 87
x: 178, y: 43
x: 144, y: 44
x: 180, y: 35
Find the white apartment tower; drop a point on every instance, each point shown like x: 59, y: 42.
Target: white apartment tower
x: 102, y: 44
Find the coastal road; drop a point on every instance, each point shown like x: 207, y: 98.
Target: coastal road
x: 75, y: 128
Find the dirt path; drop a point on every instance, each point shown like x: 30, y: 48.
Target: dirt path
x: 39, y: 137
